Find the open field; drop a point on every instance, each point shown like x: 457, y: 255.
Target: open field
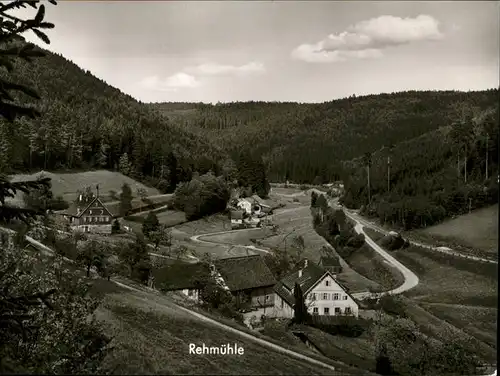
x: 213, y: 223
x: 152, y: 336
x: 298, y: 221
x: 286, y: 191
x: 478, y: 229
x: 67, y: 184
x: 139, y: 205
x: 373, y: 266
x: 480, y: 322
x: 448, y: 279
x: 453, y: 291
x: 167, y: 217
x: 353, y: 351
x: 238, y: 237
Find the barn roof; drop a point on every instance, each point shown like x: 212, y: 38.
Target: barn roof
x: 247, y: 272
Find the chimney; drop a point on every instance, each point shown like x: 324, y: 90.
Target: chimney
x: 305, y: 263
x: 77, y: 211
x: 80, y: 198
x: 300, y: 273
x: 97, y: 189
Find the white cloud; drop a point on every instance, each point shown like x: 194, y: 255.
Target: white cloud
x: 171, y: 83
x: 189, y: 77
x: 367, y: 39
x: 214, y: 69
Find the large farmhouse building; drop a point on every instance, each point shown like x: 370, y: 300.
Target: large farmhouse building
x: 247, y: 278
x: 89, y: 214
x: 324, y: 295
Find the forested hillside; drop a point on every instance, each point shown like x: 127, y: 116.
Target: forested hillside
x: 304, y: 142
x: 439, y: 174
x: 87, y: 123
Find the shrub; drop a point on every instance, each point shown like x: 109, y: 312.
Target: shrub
x: 356, y: 241
x: 115, y: 227
x: 150, y: 224
x: 203, y: 195
x: 393, y: 306
x: 230, y: 311
x: 348, y: 326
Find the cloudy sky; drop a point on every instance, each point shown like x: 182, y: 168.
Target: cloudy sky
x: 284, y: 51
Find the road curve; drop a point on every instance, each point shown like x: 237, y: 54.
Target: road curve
x: 196, y: 239
x: 411, y: 279
x: 356, y: 217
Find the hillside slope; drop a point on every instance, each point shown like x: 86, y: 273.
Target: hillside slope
x: 67, y: 185
x: 87, y: 123
x: 432, y: 177
x: 302, y: 141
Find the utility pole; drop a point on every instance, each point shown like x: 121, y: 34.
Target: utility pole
x: 388, y: 173
x: 487, y: 140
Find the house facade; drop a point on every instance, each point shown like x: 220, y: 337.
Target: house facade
x: 324, y: 295
x: 89, y: 215
x: 249, y: 279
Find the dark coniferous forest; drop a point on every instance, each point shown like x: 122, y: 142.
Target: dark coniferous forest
x: 424, y: 149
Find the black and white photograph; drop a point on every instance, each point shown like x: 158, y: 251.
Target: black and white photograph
x: 244, y: 187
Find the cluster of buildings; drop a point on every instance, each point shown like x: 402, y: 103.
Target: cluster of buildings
x: 249, y: 212
x: 255, y: 288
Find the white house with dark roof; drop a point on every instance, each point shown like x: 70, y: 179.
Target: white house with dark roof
x: 89, y: 214
x: 324, y: 294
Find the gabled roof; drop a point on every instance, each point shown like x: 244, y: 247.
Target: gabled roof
x: 180, y: 276
x: 73, y: 208
x: 311, y: 276
x: 247, y: 272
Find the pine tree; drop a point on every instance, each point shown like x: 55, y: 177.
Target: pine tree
x: 125, y: 200
x: 102, y: 156
x: 4, y: 149
x: 300, y: 314
x: 150, y: 224
x: 124, y: 164
x: 115, y: 227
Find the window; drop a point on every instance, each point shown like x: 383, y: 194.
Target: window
x: 313, y: 296
x: 327, y: 311
x: 327, y: 283
x: 325, y: 296
x: 337, y: 311
x: 268, y: 298
x: 190, y: 292
x: 282, y: 303
x: 90, y: 211
x: 315, y: 310
x: 347, y: 310
x: 336, y: 296
x: 344, y: 297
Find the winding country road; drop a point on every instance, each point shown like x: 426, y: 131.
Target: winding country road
x: 356, y: 217
x: 196, y: 239
x: 411, y: 279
